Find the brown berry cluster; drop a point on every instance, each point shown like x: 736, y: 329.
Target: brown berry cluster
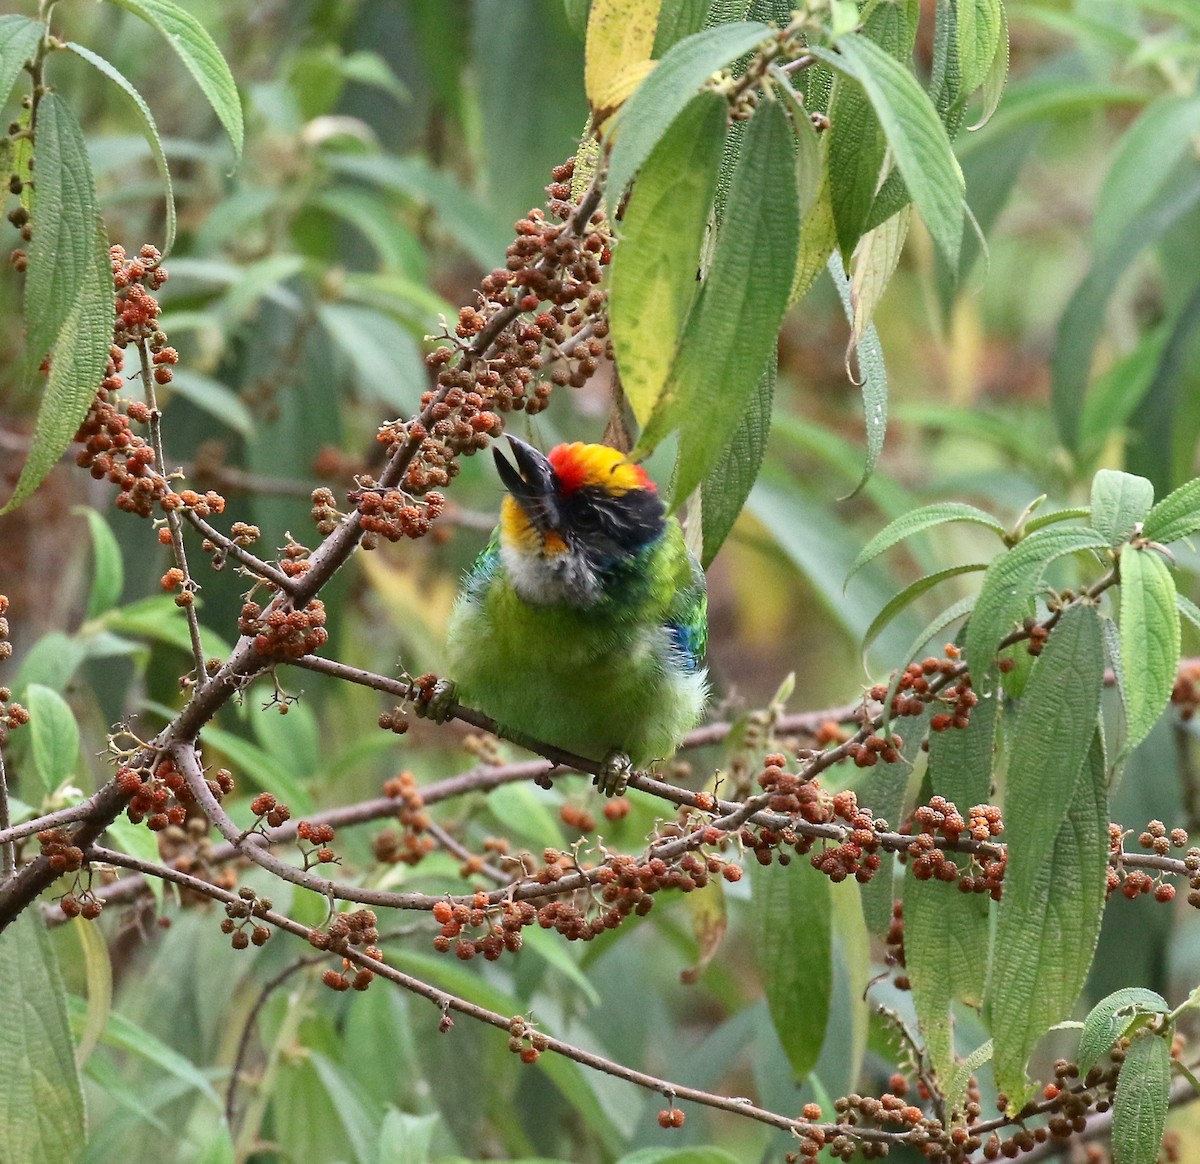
x: 392, y: 515
x: 12, y: 715
x: 501, y: 927
x: 59, y: 848
x: 672, y: 1117
x: 921, y: 683
x: 5, y: 645
x: 1135, y: 883
x: 1185, y: 695
x: 286, y: 634
x: 394, y: 721
x: 293, y: 560
x: 524, y: 1041
x: 318, y: 837
x: 138, y: 310
x: 241, y: 920
x: 325, y: 513
x: 356, y: 928
x: 414, y: 844
x: 163, y: 798
x: 577, y: 817
x: 894, y: 941
x: 83, y: 904
x: 269, y: 810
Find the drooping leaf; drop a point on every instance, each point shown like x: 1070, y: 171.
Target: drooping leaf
x: 734, y: 324
x: 911, y: 593
x: 1141, y: 1101
x: 1120, y: 501
x: 1149, y: 638
x: 645, y: 117
x: 1011, y: 580
x: 997, y: 75
x: 97, y: 967
x: 1109, y: 1019
x: 913, y: 522
x: 149, y: 130
x: 875, y: 262
x: 792, y: 925
x: 198, y: 51
x: 41, y: 1102
x: 656, y: 265
x: 108, y: 570
x: 979, y: 24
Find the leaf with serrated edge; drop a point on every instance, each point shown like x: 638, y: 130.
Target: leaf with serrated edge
x: 1108, y: 1019
x: 1056, y: 817
x: 1149, y: 638
x: 19, y: 37
x: 978, y: 39
x: 993, y: 83
x: 917, y: 520
x: 793, y: 920
x: 200, y: 56
x: 910, y: 594
x: 915, y: 134
x: 653, y: 281
x: 1120, y: 501
x: 956, y: 1093
x: 1176, y: 516
x: 661, y: 97
x: 149, y: 131
x: 1141, y: 1100
x: 1011, y: 580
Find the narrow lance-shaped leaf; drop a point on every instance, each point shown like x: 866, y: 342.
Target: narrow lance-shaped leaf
x: 108, y: 570
x: 1149, y: 638
x: 735, y: 321
x: 997, y: 75
x: 916, y: 520
x: 1176, y: 516
x: 661, y: 97
x: 1140, y: 1104
x: 149, y: 130
x: 620, y: 40
x: 656, y: 263
x: 19, y: 37
x: 1110, y: 1017
x: 1120, y: 501
x: 1056, y: 817
x: 916, y: 137
x: 979, y: 24
x: 911, y: 593
x: 793, y: 937
x: 200, y: 56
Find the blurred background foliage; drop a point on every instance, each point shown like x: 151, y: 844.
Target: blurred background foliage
x: 390, y: 146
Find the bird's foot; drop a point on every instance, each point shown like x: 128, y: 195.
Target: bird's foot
x: 437, y: 703
x: 613, y: 777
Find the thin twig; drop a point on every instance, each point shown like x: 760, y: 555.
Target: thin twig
x: 8, y: 859
x: 227, y: 545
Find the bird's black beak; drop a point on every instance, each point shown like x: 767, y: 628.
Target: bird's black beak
x: 532, y: 482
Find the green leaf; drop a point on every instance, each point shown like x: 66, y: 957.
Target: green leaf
x: 41, y: 1102
x: 1176, y: 516
x: 19, y: 37
x: 137, y: 841
x: 869, y: 351
x: 1120, y: 502
x: 158, y: 618
x: 1011, y: 580
x: 98, y: 975
x: 200, y: 56
x: 914, y: 133
x: 979, y: 27
x: 956, y: 1093
x: 694, y: 1155
x: 1052, y: 516
x: 52, y: 661
x: 734, y: 324
x: 55, y: 736
x: 1056, y: 817
x: 406, y: 1138
x: 727, y: 486
x: 792, y: 914
x: 217, y: 399
x: 913, y: 522
x: 1149, y: 638
x: 1140, y: 1104
x: 149, y: 130
x: 267, y: 771
x: 910, y: 594
x: 108, y: 569
x: 656, y: 263
x: 1110, y: 1018
x: 1188, y: 609
x: 997, y: 75
x: 661, y: 97
x: 81, y: 344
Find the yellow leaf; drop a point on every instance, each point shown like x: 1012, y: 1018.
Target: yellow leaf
x: 620, y: 39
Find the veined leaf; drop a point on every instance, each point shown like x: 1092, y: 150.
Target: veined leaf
x: 979, y: 28
x: 656, y: 264
x: 1149, y: 638
x: 108, y: 570
x: 1051, y: 517
x: 818, y: 238
x: 41, y: 1102
x: 1056, y: 812
x: 55, y: 737
x: 956, y: 1093
x: 1188, y: 609
x: 1110, y: 1018
x: 875, y: 261
x: 1176, y: 516
x: 793, y: 927
x: 98, y: 974
x: 149, y: 130
x: 661, y: 97
x: 1011, y: 580
x: 910, y: 594
x: 620, y: 40
x: 1141, y: 1100
x: 734, y: 324
x: 200, y: 56
x: 869, y: 352
x: 914, y: 134
x: 19, y: 37
x: 927, y: 517
x: 997, y: 75
x: 1120, y: 502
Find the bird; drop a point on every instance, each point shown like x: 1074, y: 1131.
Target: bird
x: 584, y: 623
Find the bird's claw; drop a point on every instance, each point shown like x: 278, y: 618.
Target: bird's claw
x: 438, y: 703
x: 613, y: 777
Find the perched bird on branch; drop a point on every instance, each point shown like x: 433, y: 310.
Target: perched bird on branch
x: 584, y: 622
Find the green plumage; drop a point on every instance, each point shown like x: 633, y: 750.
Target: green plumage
x: 622, y: 673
